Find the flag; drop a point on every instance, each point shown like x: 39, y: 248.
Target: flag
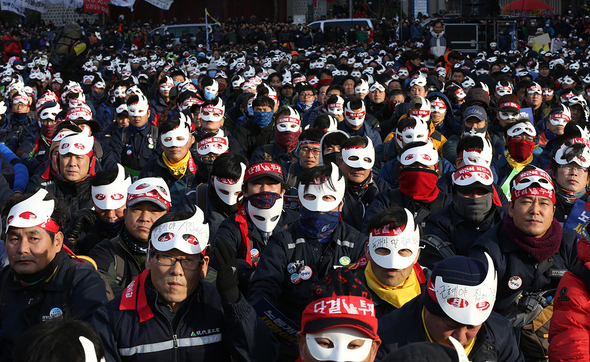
x: 37, y: 5
x: 97, y: 6
x: 162, y: 4
x: 15, y: 6
x: 212, y: 18
x: 123, y: 3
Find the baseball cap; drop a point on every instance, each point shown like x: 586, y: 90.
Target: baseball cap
x: 470, y: 177
x: 477, y: 112
x: 339, y: 288
x: 509, y: 106
x: 264, y: 169
x: 152, y: 189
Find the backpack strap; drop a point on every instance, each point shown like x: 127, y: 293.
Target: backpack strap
x: 439, y: 245
x: 124, y: 135
x: 5, y: 293
x: 202, y: 199
x: 267, y: 149
x: 119, y: 261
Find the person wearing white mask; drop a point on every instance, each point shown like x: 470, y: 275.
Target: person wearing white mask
x: 217, y: 197
x: 176, y: 161
x: 354, y: 123
x: 260, y: 216
x: 391, y: 272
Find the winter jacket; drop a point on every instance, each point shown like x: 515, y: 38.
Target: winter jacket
x: 272, y: 279
x: 77, y: 292
x: 272, y: 153
x: 569, y: 332
x: 251, y: 136
x: 157, y: 168
x: 137, y: 326
x: 437, y: 44
x: 107, y: 255
x: 357, y: 203
x: 230, y: 230
x: 514, y: 263
x: 12, y: 48
x: 420, y: 210
x: 133, y: 150
x: 456, y: 232
x: 366, y: 130
x: 495, y: 341
x: 73, y: 195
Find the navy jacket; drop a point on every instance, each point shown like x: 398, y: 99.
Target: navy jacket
x: 511, y: 261
x: 495, y: 341
x: 26, y: 307
x: 203, y: 329
x: 272, y: 280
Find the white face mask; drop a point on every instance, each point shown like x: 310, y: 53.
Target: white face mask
x: 177, y: 137
x: 343, y: 349
x: 266, y: 219
x: 228, y: 190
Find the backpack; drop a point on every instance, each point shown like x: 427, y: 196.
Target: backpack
x: 64, y: 40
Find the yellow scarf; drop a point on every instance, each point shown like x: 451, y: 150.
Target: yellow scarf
x: 515, y: 164
x: 468, y: 348
x: 398, y: 295
x: 178, y: 168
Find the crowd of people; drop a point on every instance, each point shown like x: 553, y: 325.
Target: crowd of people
x: 274, y: 199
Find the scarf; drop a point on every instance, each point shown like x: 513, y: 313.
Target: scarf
x: 138, y: 129
x: 569, y: 197
x: 318, y: 225
x: 48, y: 130
x: 179, y: 168
x: 515, y: 164
x: 520, y: 150
x: 41, y: 277
x: 362, y: 185
x: 20, y: 118
x: 287, y: 141
x: 110, y: 227
x: 539, y: 248
x: 133, y: 244
x: 398, y: 295
x: 419, y: 184
x: 467, y: 348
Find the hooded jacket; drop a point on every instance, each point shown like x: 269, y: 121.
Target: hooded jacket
x: 437, y: 44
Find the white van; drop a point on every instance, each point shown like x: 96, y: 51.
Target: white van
x: 344, y: 24
x: 177, y: 30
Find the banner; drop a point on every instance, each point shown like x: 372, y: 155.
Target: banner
x: 162, y: 4
x: 97, y: 6
x: 123, y: 3
x: 283, y: 328
x: 37, y: 5
x: 578, y: 217
x: 15, y: 6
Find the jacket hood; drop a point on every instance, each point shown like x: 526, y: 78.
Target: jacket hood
x: 584, y: 250
x: 451, y: 124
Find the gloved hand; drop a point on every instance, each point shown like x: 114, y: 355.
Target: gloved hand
x: 227, y: 271
x: 80, y: 220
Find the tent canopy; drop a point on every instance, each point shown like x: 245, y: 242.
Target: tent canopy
x: 528, y: 5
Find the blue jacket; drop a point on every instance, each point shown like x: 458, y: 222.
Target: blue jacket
x: 366, y: 130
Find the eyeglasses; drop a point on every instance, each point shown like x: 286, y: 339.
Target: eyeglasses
x: 307, y: 150
x: 570, y: 168
x: 188, y: 264
x: 306, y: 95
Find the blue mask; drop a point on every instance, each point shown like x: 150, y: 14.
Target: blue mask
x: 212, y: 73
x: 209, y: 96
x: 195, y: 81
x: 318, y: 225
x: 176, y: 83
x: 263, y: 119
x: 250, y: 111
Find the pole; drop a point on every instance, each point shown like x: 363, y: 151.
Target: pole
x: 350, y: 9
x: 206, y: 29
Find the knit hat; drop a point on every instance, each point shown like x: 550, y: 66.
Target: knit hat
x: 340, y: 300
